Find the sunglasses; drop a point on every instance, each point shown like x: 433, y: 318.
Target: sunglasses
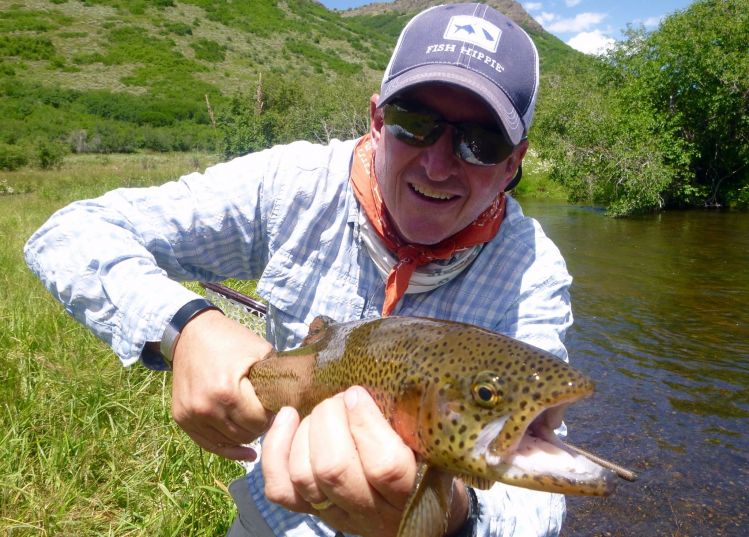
x: 418, y: 126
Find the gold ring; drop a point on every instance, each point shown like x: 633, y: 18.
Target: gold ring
x: 321, y: 506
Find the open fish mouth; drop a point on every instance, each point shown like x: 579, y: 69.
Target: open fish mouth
x: 541, y: 461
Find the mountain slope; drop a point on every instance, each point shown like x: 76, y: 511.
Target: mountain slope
x: 122, y: 75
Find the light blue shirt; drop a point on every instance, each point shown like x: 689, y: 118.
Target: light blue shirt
x: 288, y: 217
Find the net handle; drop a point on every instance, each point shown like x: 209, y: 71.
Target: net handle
x: 257, y: 307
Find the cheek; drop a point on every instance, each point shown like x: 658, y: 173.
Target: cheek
x: 484, y: 187
x: 391, y: 159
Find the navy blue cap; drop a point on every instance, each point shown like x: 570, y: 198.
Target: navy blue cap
x: 475, y: 47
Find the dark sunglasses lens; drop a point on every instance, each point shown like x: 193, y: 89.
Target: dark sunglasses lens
x: 414, y: 128
x: 479, y: 146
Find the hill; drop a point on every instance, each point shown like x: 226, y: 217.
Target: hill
x: 124, y: 75
x: 511, y: 8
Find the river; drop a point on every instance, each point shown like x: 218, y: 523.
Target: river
x: 661, y: 307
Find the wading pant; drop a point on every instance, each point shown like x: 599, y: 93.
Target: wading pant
x: 249, y: 521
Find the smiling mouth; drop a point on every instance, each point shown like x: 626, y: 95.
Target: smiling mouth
x: 430, y: 194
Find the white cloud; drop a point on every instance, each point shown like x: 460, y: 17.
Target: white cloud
x: 580, y: 23
x: 652, y: 22
x: 544, y: 18
x: 595, y: 42
x: 571, y: 3
x: 532, y: 6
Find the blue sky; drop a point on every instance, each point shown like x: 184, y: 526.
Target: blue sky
x: 587, y: 25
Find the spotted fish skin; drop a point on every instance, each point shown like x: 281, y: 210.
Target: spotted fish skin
x: 462, y: 397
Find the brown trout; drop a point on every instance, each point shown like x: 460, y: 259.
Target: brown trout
x: 471, y: 403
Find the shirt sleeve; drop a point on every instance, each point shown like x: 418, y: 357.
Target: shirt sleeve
x: 112, y: 261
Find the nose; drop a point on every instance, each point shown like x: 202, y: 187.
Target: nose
x: 439, y: 160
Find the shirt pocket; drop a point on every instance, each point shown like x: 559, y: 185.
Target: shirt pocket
x: 303, y: 288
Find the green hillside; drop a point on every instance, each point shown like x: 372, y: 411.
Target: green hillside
x: 125, y: 75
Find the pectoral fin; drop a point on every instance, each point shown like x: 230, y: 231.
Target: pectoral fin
x: 428, y: 507
x: 480, y: 483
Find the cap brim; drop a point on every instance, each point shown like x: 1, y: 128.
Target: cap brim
x: 509, y: 120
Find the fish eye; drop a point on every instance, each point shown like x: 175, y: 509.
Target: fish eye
x: 486, y: 389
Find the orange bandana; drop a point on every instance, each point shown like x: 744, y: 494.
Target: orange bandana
x: 410, y: 256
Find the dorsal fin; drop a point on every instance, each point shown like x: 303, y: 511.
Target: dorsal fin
x: 317, y: 329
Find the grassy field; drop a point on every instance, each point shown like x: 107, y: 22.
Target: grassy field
x: 88, y: 447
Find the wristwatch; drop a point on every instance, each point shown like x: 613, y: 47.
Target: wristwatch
x: 175, y: 326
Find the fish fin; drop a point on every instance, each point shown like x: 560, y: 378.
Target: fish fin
x: 428, y: 506
x: 481, y: 483
x: 317, y: 329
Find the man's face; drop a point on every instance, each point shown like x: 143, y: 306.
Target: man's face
x: 429, y: 192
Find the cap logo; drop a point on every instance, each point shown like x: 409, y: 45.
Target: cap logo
x: 475, y: 30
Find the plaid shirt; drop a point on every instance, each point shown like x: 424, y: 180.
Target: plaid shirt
x: 287, y: 217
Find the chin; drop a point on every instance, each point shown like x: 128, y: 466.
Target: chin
x: 426, y: 237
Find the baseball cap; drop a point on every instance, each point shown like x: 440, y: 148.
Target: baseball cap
x: 475, y: 47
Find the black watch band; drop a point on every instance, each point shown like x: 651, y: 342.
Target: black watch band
x: 174, y: 327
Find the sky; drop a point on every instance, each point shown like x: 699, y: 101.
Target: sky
x: 590, y: 26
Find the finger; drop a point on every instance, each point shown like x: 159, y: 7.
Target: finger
x: 275, y: 460
x: 334, y: 458
x: 215, y: 442
x: 300, y: 467
x: 248, y: 414
x: 388, y: 463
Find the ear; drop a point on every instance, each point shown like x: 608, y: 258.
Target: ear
x: 375, y: 120
x: 513, y: 161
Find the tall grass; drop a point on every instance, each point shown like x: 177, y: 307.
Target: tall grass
x: 86, y: 446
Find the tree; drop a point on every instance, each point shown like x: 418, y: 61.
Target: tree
x: 603, y: 149
x: 661, y: 120
x: 694, y: 73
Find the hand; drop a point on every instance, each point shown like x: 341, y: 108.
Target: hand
x: 346, y: 452
x: 212, y: 397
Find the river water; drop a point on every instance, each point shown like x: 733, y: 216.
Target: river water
x: 661, y: 307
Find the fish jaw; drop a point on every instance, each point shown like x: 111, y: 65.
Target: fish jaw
x: 529, y: 454
x: 546, y: 464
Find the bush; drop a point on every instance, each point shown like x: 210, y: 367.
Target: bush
x: 12, y: 157
x: 49, y: 154
x: 208, y: 50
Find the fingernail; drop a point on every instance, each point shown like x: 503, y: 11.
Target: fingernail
x: 351, y: 397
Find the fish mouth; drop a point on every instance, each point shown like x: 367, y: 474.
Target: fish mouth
x: 541, y: 461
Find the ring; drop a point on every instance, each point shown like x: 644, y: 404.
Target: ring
x: 321, y: 506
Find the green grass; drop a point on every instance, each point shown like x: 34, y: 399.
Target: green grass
x: 536, y: 183
x: 88, y: 447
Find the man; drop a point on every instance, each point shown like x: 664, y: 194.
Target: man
x: 411, y: 219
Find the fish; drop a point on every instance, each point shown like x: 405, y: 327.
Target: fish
x: 471, y: 403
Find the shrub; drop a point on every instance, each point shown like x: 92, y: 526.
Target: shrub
x: 12, y: 157
x: 178, y: 28
x: 49, y: 154
x: 208, y: 50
